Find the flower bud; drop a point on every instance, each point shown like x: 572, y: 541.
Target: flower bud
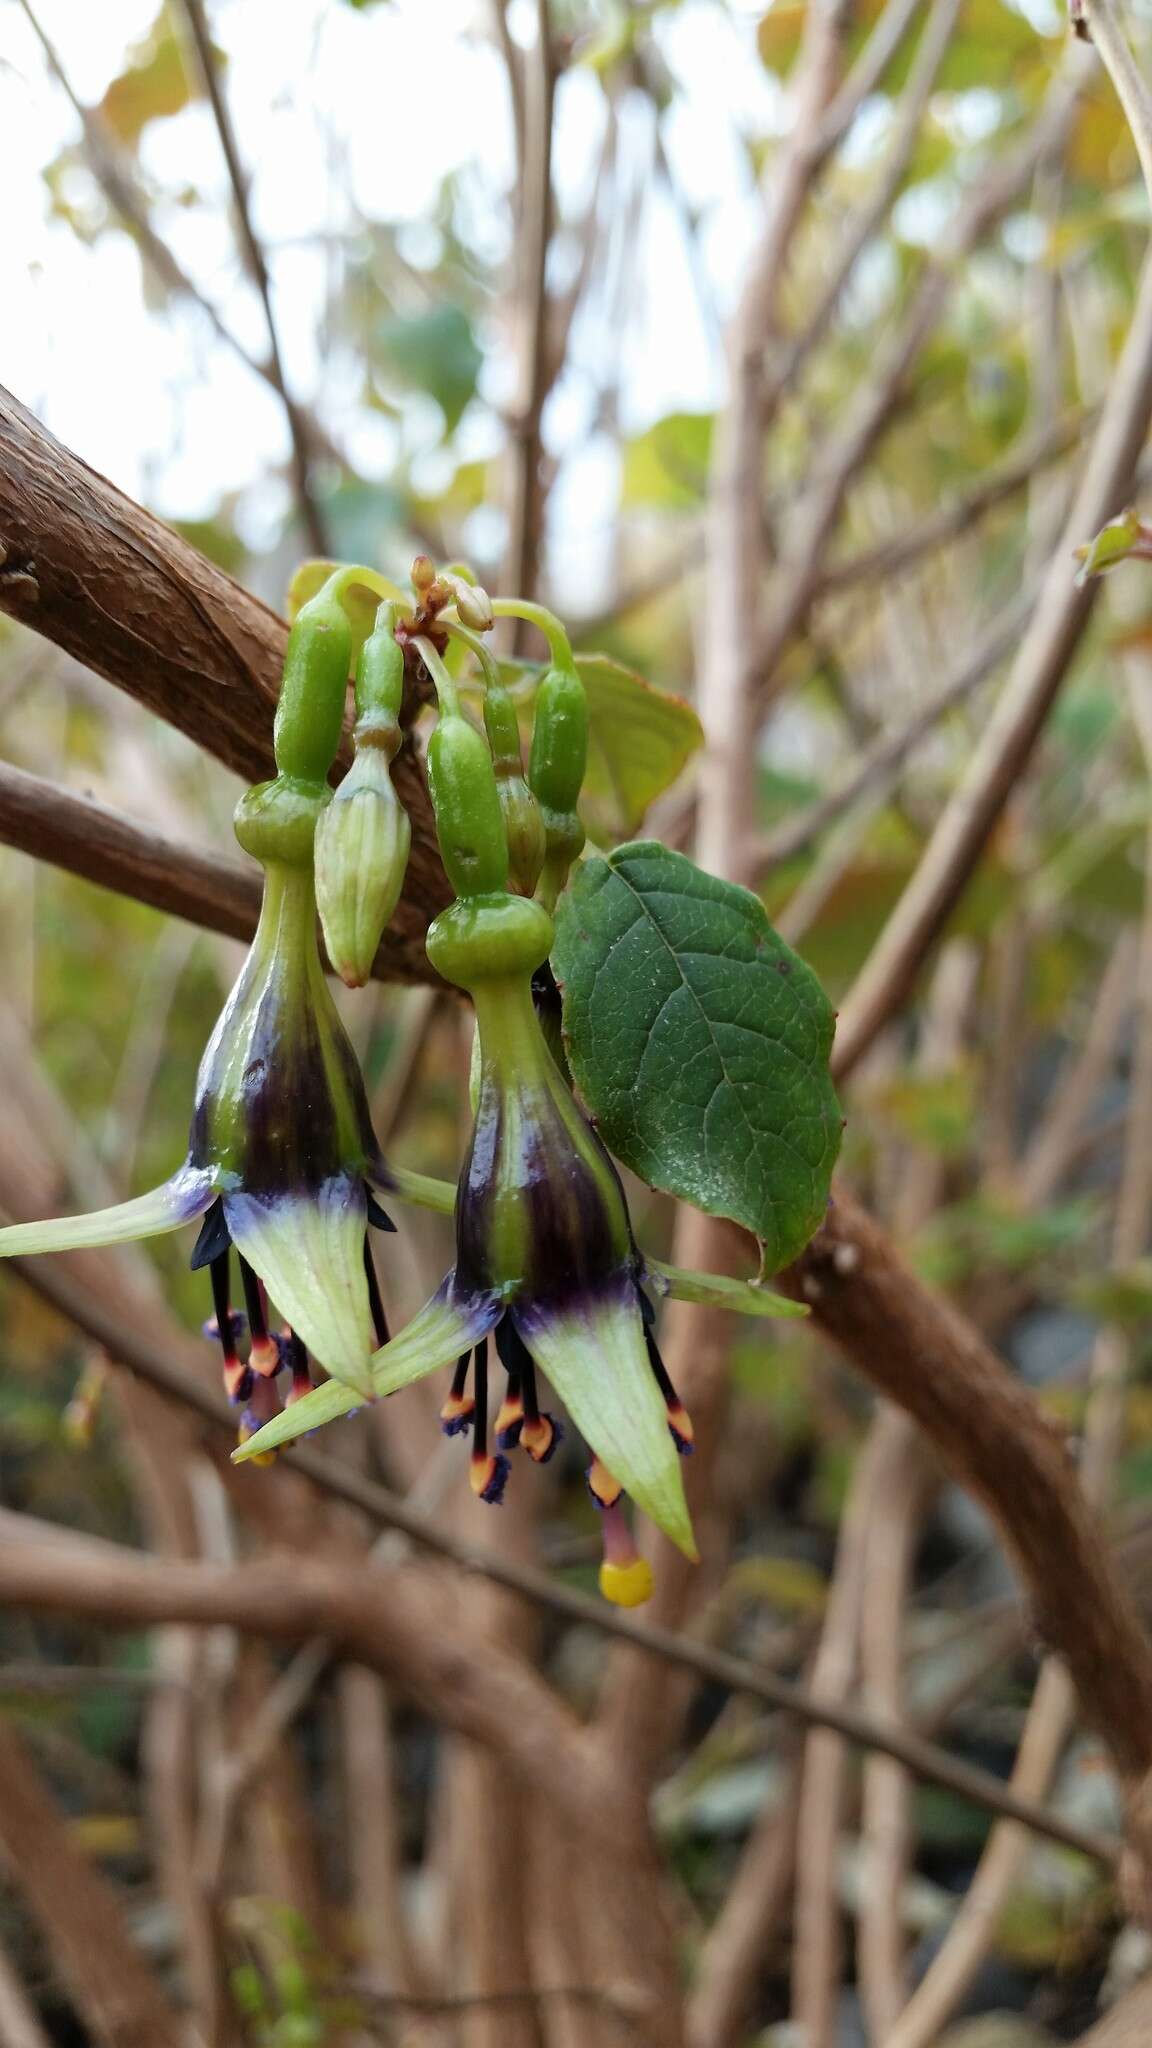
x: 362, y: 843
x: 469, y: 821
x: 311, y: 707
x: 523, y: 823
x: 556, y: 770
x: 472, y: 602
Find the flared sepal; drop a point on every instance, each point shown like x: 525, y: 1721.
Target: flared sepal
x: 179, y: 1200
x: 309, y: 1251
x: 592, y: 1349
x: 447, y: 1325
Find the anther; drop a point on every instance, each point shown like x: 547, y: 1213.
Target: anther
x: 457, y: 1412
x: 679, y: 1420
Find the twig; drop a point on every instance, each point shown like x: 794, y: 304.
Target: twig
x: 515, y: 77
x: 888, y: 752
x: 117, y: 180
x: 817, y: 1959
x: 1102, y: 21
x: 306, y: 500
x: 732, y: 1958
x: 387, y: 1510
x: 813, y: 521
x: 874, y: 565
x: 866, y: 222
x: 525, y: 495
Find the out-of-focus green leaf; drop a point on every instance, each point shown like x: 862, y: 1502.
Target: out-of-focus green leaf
x: 668, y: 463
x: 639, y: 741
x: 156, y: 81
x: 435, y: 352
x: 1123, y: 539
x: 935, y: 1110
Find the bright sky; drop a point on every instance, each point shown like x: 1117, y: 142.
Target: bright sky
x: 329, y: 126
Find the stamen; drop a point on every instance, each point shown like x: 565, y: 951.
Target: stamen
x: 379, y: 1319
x: 263, y: 1405
x: 377, y: 1217
x: 237, y: 1376
x: 294, y: 1355
x: 264, y: 1355
x: 679, y: 1420
x: 625, y: 1577
x: 602, y: 1485
x: 214, y: 1238
x: 511, y: 1413
x: 456, y: 1414
x: 488, y: 1474
x: 540, y: 1435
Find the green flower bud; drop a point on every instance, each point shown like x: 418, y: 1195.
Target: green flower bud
x: 362, y: 844
x: 523, y: 823
x: 469, y: 820
x: 556, y: 770
x: 311, y: 707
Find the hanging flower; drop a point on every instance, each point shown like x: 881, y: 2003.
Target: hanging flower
x: 282, y: 1160
x: 546, y: 1267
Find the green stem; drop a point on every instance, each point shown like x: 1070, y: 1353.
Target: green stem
x: 538, y: 615
x: 447, y: 695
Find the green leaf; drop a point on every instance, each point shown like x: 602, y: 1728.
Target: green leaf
x: 639, y: 740
x: 435, y: 352
x: 668, y: 463
x: 699, y: 1042
x: 1122, y: 538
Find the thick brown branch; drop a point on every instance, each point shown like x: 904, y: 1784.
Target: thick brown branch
x: 102, y: 845
x: 925, y: 1356
x: 102, y: 578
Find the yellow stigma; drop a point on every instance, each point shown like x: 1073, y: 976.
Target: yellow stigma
x: 627, y: 1585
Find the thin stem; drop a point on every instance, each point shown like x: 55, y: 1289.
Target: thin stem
x: 308, y: 506
x: 447, y: 695
x: 478, y: 645
x: 546, y: 622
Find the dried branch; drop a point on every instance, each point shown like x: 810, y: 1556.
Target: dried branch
x: 1061, y: 615
x: 117, y: 180
x: 306, y: 500
x: 102, y: 578
x: 525, y: 494
x: 78, y: 1914
x: 875, y: 565
x: 88, y: 838
x: 339, y: 1482
x: 877, y: 766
